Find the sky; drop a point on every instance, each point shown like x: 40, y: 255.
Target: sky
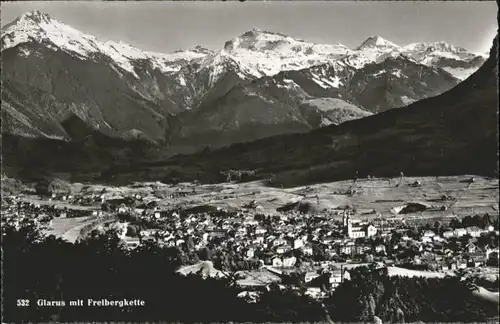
x: 164, y: 26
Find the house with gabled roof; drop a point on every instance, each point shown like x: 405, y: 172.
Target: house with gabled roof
x: 459, y: 232
x: 474, y: 231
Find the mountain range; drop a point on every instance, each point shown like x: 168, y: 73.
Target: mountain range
x: 257, y: 85
x: 449, y: 134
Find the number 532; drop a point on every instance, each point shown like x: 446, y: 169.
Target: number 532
x: 23, y: 303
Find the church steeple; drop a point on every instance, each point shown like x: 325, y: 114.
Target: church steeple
x: 347, y: 223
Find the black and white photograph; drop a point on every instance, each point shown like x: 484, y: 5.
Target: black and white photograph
x: 249, y: 162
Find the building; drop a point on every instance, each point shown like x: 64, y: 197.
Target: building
x: 311, y: 275
x: 459, y: 232
x: 308, y: 250
x: 371, y: 230
x: 260, y: 230
x: 476, y: 259
x: 282, y: 249
x: 250, y: 253
x: 347, y: 248
x: 298, y: 243
x: 131, y: 242
x: 338, y: 276
x: 438, y: 238
x: 279, y: 242
x: 490, y: 251
x: 430, y: 234
x: 474, y: 231
x: 335, y: 279
x: 471, y: 248
x: 426, y: 239
x: 289, y: 262
x: 448, y: 234
x: 361, y: 249
x: 277, y: 262
x: 357, y: 231
x: 380, y: 248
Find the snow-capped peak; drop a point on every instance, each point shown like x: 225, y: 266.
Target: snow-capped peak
x: 434, y: 46
x: 36, y: 16
x: 260, y: 52
x: 428, y: 53
x: 34, y: 26
x: 29, y: 21
x: 258, y: 39
x: 255, y: 53
x: 197, y: 49
x: 377, y: 41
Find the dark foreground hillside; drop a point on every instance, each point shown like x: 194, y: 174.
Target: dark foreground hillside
x: 453, y: 133
x: 57, y: 272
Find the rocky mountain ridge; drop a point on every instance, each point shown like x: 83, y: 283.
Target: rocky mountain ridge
x: 52, y: 71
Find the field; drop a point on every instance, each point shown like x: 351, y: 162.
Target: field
x: 487, y: 295
x: 205, y: 267
x: 397, y: 271
x: 59, y: 204
x: 367, y: 196
x: 68, y: 228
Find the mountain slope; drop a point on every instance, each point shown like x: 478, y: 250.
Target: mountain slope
x: 82, y: 158
x: 50, y: 70
x: 453, y: 133
x: 298, y: 101
x: 260, y: 84
x: 92, y: 91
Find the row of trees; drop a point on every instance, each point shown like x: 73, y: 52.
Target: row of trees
x: 98, y: 267
x: 372, y: 292
x: 481, y: 221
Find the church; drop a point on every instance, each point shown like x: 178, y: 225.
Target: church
x: 357, y: 230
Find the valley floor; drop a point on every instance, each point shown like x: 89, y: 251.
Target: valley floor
x: 367, y: 196
x: 370, y: 198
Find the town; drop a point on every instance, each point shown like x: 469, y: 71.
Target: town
x: 298, y: 243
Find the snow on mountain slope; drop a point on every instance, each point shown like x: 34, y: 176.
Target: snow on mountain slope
x: 335, y: 111
x: 254, y: 54
x: 460, y: 72
x: 259, y: 78
x: 455, y: 60
x: 420, y: 51
x: 378, y: 42
x: 35, y: 26
x: 264, y: 53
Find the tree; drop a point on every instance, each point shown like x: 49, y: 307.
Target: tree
x: 131, y: 231
x: 400, y: 316
x: 486, y: 221
x: 150, y: 271
x: 189, y: 245
x: 455, y: 223
x: 205, y: 254
x: 368, y: 258
x: 493, y: 260
x: 437, y: 227
x: 371, y: 306
x: 319, y: 253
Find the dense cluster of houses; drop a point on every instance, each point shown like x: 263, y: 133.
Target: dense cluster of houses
x: 290, y: 239
x: 454, y: 249
x: 293, y: 239
x: 18, y: 209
